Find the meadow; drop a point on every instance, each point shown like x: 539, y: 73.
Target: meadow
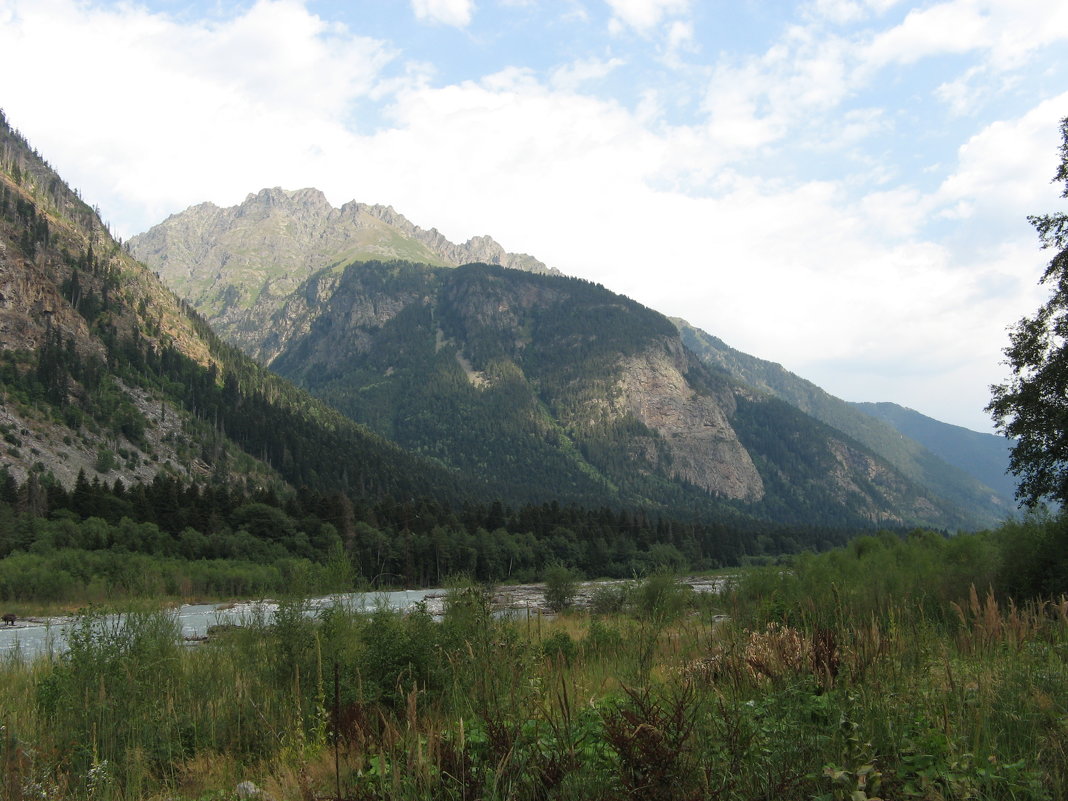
x: 896, y: 667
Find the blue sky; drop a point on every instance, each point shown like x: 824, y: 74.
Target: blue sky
x: 840, y: 186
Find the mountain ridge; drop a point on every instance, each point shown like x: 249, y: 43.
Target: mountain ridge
x: 325, y: 310
x: 268, y: 244
x: 916, y: 460
x: 445, y: 360
x: 986, y: 456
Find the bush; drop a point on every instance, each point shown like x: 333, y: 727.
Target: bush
x: 611, y: 599
x: 660, y: 599
x: 561, y: 587
x: 559, y: 645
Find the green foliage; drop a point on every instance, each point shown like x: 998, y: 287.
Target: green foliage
x: 1033, y: 559
x: 1032, y: 406
x: 559, y: 645
x: 561, y: 587
x: 826, y: 691
x: 180, y: 529
x: 105, y: 460
x: 660, y: 599
x: 101, y: 698
x: 609, y: 599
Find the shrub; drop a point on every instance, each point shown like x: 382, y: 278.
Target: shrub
x: 559, y: 645
x: 611, y: 599
x: 660, y: 599
x: 561, y: 587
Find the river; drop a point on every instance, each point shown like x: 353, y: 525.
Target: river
x: 32, y: 637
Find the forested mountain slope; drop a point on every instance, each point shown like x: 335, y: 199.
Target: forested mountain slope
x: 985, y: 456
x: 142, y: 448
x: 968, y: 483
x: 242, y: 265
x: 548, y: 386
x: 104, y: 370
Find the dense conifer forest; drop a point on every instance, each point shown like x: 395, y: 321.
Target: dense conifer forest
x: 100, y: 541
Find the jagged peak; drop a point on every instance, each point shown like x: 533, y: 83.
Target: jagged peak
x: 477, y: 248
x: 276, y: 195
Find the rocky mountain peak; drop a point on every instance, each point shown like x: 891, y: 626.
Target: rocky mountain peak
x: 307, y: 200
x: 237, y: 264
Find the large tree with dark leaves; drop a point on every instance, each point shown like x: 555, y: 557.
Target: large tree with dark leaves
x: 1033, y: 404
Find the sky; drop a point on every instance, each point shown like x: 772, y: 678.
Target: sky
x: 840, y: 186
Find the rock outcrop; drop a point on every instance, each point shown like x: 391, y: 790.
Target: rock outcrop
x: 703, y: 447
x: 238, y: 265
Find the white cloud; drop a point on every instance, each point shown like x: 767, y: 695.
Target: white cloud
x: 834, y: 278
x: 839, y: 11
x: 445, y: 12
x: 896, y: 213
x: 1006, y: 30
x: 757, y: 102
x: 680, y: 34
x: 966, y: 92
x: 183, y: 110
x: 881, y: 6
x: 810, y: 71
x: 944, y: 28
x: 571, y: 77
x: 998, y: 173
x: 644, y: 15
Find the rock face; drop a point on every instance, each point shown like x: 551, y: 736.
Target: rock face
x: 30, y: 304
x: 238, y: 265
x: 704, y: 448
x: 65, y: 284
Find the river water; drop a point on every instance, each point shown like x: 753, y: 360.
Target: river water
x: 32, y: 637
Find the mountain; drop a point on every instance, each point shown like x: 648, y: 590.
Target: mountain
x: 374, y: 341
x: 965, y: 467
x: 985, y: 456
x: 237, y: 265
x: 105, y: 372
x: 543, y: 386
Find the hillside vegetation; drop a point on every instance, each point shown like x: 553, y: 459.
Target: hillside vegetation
x: 552, y: 387
x: 875, y: 671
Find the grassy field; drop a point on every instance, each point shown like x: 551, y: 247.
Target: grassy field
x: 883, y: 670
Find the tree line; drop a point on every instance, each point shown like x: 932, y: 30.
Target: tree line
x: 415, y: 542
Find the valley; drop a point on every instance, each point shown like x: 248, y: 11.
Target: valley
x: 324, y: 400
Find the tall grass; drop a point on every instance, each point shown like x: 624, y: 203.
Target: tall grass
x: 879, y: 671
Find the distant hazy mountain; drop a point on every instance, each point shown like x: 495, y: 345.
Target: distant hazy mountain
x: 985, y: 456
x: 978, y: 484
x: 237, y: 265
